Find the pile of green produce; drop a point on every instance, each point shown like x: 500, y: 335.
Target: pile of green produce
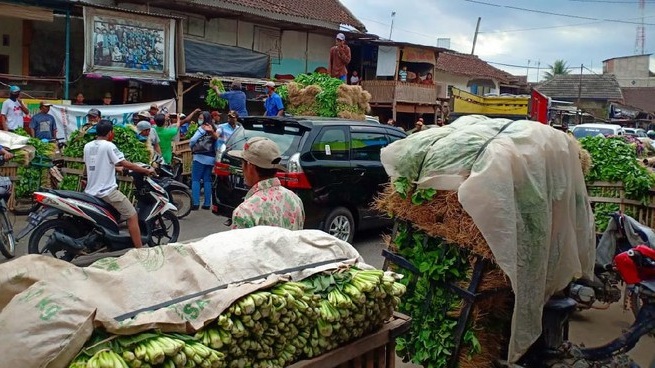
x: 311, y: 94
x: 268, y: 328
x: 193, y: 127
x: 212, y: 99
x: 32, y: 176
x: 124, y: 138
x: 615, y: 160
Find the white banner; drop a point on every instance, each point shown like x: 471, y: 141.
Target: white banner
x: 70, y: 118
x: 387, y: 58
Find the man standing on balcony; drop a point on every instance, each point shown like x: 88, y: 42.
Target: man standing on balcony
x: 339, y: 58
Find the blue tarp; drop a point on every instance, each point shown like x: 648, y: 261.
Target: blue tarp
x: 222, y: 60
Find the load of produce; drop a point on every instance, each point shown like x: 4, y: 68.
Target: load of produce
x: 125, y: 138
x: 32, y: 177
x: 318, y: 94
x: 486, y: 193
x: 268, y: 328
x: 616, y: 159
x: 258, y: 297
x: 212, y: 99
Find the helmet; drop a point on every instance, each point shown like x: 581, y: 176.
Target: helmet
x: 651, y: 134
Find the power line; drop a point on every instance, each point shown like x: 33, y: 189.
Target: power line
x: 610, y: 1
x: 553, y: 27
x: 557, y: 14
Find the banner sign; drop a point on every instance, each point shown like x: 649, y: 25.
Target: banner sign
x: 70, y: 118
x: 416, y: 55
x: 128, y: 45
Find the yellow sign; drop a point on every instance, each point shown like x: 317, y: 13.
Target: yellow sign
x: 415, y: 55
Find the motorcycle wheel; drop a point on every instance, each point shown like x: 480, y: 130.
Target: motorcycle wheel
x: 635, y: 304
x: 40, y: 237
x: 164, y: 229
x: 7, y: 240
x: 181, y: 199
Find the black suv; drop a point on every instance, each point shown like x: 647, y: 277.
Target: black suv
x: 333, y: 165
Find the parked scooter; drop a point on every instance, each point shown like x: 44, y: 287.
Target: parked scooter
x: 636, y: 267
x: 622, y: 234
x: 68, y: 224
x: 178, y: 193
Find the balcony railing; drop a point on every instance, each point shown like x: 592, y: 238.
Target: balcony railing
x: 388, y: 92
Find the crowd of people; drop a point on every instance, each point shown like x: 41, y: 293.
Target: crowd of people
x: 127, y: 46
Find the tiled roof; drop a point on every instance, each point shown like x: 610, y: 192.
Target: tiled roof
x: 594, y: 87
x: 469, y: 65
x: 640, y: 97
x: 330, y: 11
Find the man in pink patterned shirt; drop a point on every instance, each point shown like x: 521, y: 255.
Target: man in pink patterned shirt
x: 267, y: 202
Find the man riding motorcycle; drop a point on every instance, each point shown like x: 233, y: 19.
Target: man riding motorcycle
x: 101, y: 157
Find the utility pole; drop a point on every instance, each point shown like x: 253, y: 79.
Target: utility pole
x: 538, y: 70
x: 580, y: 95
x: 527, y: 71
x: 393, y: 16
x: 475, y: 36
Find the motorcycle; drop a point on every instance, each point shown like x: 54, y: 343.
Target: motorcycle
x: 178, y: 193
x: 636, y: 267
x: 622, y: 234
x: 68, y: 224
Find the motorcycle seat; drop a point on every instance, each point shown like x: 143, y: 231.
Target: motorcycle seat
x: 88, y: 198
x: 650, y: 285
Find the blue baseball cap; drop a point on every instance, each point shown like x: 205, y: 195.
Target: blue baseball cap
x: 14, y: 89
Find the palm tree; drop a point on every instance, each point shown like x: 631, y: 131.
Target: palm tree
x: 559, y: 67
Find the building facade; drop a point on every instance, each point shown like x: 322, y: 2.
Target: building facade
x: 632, y: 71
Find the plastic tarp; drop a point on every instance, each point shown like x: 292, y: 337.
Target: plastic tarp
x: 49, y: 308
x: 522, y: 183
x: 635, y: 234
x: 222, y: 60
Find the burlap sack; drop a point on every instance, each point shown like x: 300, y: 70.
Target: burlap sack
x: 175, y: 288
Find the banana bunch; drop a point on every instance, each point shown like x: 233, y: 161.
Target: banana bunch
x: 275, y: 327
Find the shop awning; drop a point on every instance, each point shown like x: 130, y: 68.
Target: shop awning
x: 417, y: 55
x: 221, y: 60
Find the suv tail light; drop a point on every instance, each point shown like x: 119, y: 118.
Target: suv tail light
x: 221, y: 169
x: 295, y: 177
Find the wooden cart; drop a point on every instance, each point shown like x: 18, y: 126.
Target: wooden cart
x: 377, y: 350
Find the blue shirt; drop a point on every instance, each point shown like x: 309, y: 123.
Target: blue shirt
x: 273, y: 104
x: 203, y: 159
x: 236, y: 100
x: 225, y: 131
x: 44, y: 126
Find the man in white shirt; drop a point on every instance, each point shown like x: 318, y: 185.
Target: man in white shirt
x: 13, y: 111
x: 101, y: 157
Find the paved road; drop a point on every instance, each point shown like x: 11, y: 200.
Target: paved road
x: 592, y: 328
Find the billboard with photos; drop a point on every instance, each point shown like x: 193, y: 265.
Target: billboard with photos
x: 128, y: 45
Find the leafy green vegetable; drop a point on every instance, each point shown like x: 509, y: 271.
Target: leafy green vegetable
x: 326, y: 100
x: 212, y: 99
x: 31, y: 176
x: 193, y: 127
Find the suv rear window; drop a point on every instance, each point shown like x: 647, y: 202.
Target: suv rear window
x: 581, y: 132
x: 286, y: 138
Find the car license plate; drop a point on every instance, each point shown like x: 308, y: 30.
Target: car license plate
x: 237, y: 182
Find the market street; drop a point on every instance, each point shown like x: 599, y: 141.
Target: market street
x: 593, y: 327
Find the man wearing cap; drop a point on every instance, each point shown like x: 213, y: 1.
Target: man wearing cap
x: 273, y: 103
x: 226, y: 130
x: 107, y: 99
x: 43, y: 125
x: 13, y: 111
x: 146, y: 132
x: 236, y: 98
x: 101, y: 157
x: 267, y: 202
x: 92, y: 118
x: 154, y: 110
x: 339, y: 58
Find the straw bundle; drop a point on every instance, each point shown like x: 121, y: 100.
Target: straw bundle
x: 352, y: 102
x: 302, y: 101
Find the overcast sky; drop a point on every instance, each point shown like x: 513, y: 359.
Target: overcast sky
x: 588, y: 34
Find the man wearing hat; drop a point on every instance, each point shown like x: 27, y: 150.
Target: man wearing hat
x: 236, y: 98
x: 273, y: 103
x: 267, y: 202
x: 107, y: 99
x: 226, y: 130
x: 154, y: 110
x: 13, y: 111
x: 43, y: 125
x: 339, y: 58
x: 145, y: 131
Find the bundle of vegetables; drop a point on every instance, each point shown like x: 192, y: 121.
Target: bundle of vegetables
x: 440, y: 238
x: 212, y: 98
x: 31, y: 177
x: 318, y: 94
x: 124, y: 138
x: 268, y: 328
x: 193, y: 127
x: 616, y: 160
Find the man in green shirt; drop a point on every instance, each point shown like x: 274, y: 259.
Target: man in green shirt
x: 166, y: 136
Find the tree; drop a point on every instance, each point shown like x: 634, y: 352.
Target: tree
x: 559, y: 67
